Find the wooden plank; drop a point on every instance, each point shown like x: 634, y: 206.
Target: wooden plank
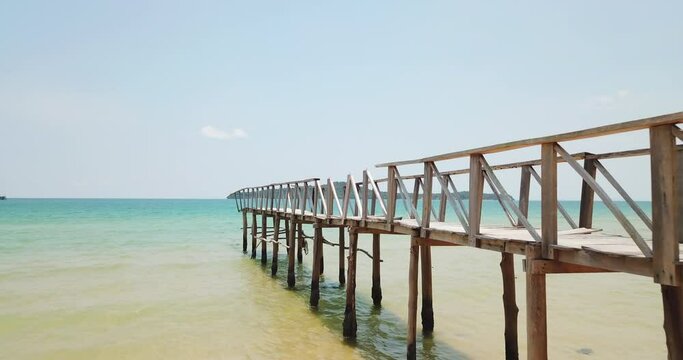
x: 291, y: 240
x: 410, y: 208
x: 458, y: 206
x: 315, y: 274
x: 496, y: 193
x: 377, y: 195
x: 587, y: 196
x: 276, y: 245
x: 412, y: 299
x: 558, y: 267
x: 365, y: 197
x: 342, y: 256
x: 574, y: 135
x: 664, y: 205
x: 524, y: 186
x: 427, y: 298
x: 442, y: 206
x: 641, y: 214
x: 548, y: 198
x: 376, y: 278
x: 391, y: 193
x: 476, y: 194
x: 334, y: 195
x: 560, y: 208
x: 625, y: 223
x: 507, y: 268
x: 536, y: 322
x: 350, y: 326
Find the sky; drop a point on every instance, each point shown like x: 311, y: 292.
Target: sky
x: 166, y: 99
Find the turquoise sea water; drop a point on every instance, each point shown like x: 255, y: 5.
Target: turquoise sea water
x: 115, y: 279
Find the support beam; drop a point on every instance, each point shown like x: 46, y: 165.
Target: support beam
x: 315, y: 276
x: 665, y: 236
x: 507, y: 268
x: 276, y: 245
x: 322, y: 257
x: 587, y: 196
x: 672, y: 299
x: 536, y: 322
x: 412, y: 298
x: 300, y: 243
x: 244, y: 231
x: 342, y: 257
x: 291, y: 241
x: 376, y: 282
x: 264, y: 245
x: 427, y: 298
x: 558, y: 267
x: 253, y: 235
x: 350, y: 326
x: 548, y: 198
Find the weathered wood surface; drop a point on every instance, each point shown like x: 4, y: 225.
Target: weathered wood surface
x: 536, y: 321
x: 412, y: 299
x: 427, y: 297
x: 507, y: 268
x: 350, y: 326
x: 376, y: 277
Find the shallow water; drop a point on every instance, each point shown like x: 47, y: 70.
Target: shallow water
x: 111, y: 279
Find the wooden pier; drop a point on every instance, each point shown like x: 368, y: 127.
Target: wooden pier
x: 369, y: 206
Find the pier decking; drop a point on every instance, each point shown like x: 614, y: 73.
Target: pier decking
x: 369, y: 206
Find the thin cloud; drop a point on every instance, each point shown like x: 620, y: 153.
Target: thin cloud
x: 213, y: 133
x: 611, y: 99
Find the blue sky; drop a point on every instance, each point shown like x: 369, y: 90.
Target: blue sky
x: 196, y: 99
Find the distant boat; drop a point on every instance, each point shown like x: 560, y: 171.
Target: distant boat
x: 3, y: 197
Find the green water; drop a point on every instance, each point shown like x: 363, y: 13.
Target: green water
x: 112, y: 279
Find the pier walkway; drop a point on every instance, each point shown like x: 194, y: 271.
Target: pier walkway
x: 370, y: 206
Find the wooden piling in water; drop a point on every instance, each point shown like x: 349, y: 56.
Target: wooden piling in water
x: 322, y: 258
x: 253, y: 235
x: 376, y: 280
x: 244, y: 231
x: 536, y: 323
x: 276, y: 245
x: 300, y: 243
x: 291, y: 278
x: 672, y: 300
x: 412, y: 298
x: 342, y: 257
x: 350, y: 326
x: 264, y: 244
x: 507, y: 267
x: 427, y: 298
x: 315, y: 276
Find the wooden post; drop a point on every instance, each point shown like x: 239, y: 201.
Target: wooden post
x: 322, y: 254
x: 342, y: 257
x: 315, y: 276
x: 291, y: 279
x: 287, y: 239
x: 350, y: 326
x: 427, y: 197
x: 672, y: 299
x: 524, y: 184
x: 253, y: 234
x: 244, y: 231
x: 476, y: 197
x: 376, y: 282
x: 391, y: 200
x: 587, y: 196
x: 548, y: 198
x: 536, y: 323
x: 276, y: 245
x: 427, y: 299
x: 300, y: 244
x: 412, y: 298
x: 507, y: 267
x: 264, y: 244
x: 665, y: 221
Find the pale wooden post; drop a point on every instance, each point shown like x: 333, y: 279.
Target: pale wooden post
x: 253, y: 234
x: 276, y: 245
x: 536, y: 321
x: 427, y: 298
x: 524, y: 184
x: 548, y: 198
x: 587, y: 195
x: 507, y: 267
x: 412, y: 297
x: 391, y: 201
x: 350, y: 326
x: 376, y: 281
x: 427, y: 197
x: 476, y: 196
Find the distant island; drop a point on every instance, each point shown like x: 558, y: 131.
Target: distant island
x: 340, y: 186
